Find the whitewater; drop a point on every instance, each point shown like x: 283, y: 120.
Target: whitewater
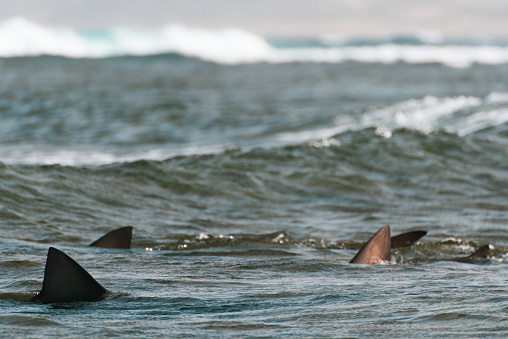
x: 20, y: 37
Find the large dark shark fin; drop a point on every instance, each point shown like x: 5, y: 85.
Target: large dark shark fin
x: 66, y: 281
x: 406, y: 239
x: 119, y: 238
x: 376, y: 250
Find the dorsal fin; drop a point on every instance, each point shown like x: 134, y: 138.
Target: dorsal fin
x: 376, y: 249
x: 119, y: 238
x: 482, y: 252
x: 66, y: 281
x: 406, y: 239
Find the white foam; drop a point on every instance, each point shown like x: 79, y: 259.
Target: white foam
x: 20, y: 37
x: 480, y: 121
x: 452, y: 56
x: 461, y: 115
x: 497, y: 97
x: 425, y: 115
x: 78, y: 157
x: 226, y: 46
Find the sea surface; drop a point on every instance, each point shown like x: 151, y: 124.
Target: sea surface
x: 252, y: 170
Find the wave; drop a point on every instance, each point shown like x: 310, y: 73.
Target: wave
x: 20, y: 37
x: 68, y: 156
x: 430, y: 175
x: 414, y: 37
x: 460, y: 116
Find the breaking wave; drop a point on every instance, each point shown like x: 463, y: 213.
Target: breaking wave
x: 20, y: 37
x: 462, y: 115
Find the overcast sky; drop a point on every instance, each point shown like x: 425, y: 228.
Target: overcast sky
x: 274, y: 17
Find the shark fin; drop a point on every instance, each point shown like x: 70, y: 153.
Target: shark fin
x: 376, y: 249
x: 66, y: 281
x: 119, y: 238
x: 406, y: 239
x: 482, y: 252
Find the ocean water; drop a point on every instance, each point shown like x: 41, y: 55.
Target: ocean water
x: 252, y: 171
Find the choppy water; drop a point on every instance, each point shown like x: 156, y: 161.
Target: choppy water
x: 250, y: 187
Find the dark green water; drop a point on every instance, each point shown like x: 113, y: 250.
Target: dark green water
x: 250, y: 188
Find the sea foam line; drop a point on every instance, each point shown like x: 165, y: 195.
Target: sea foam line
x: 426, y: 115
x: 31, y: 155
x: 20, y: 37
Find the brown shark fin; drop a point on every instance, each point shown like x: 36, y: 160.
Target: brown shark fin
x: 119, y: 238
x: 376, y: 250
x: 66, y: 281
x: 406, y: 239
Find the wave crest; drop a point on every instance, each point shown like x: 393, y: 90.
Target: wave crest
x: 20, y: 37
x: 462, y: 115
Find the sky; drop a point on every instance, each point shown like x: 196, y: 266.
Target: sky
x: 277, y: 18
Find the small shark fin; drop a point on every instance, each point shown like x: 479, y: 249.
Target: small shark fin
x: 482, y: 252
x: 376, y: 250
x: 119, y: 238
x: 406, y: 239
x: 66, y: 281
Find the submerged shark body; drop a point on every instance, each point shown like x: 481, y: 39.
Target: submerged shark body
x: 66, y: 281
x: 376, y: 250
x: 119, y: 238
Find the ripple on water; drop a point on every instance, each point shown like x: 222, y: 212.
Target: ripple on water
x: 23, y: 321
